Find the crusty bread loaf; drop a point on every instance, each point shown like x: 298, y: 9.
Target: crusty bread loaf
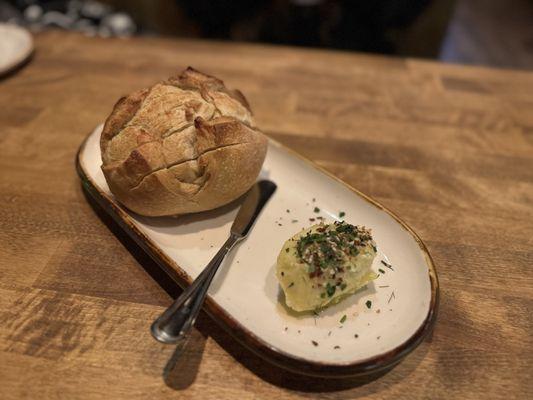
x: 184, y: 145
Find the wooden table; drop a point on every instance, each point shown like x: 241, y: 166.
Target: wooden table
x: 448, y: 148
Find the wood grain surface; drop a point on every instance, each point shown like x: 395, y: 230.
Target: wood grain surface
x: 448, y: 148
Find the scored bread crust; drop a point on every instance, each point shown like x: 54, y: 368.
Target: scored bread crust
x: 184, y: 145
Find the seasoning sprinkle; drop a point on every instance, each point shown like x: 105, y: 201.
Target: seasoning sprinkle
x: 392, y: 296
x: 316, y: 209
x: 287, y: 250
x: 337, y: 347
x: 381, y: 271
x: 288, y: 211
x: 314, y: 343
x: 368, y: 304
x: 356, y: 336
x: 387, y: 265
x: 343, y: 319
x: 329, y: 246
x: 291, y: 284
x: 342, y: 214
x: 294, y: 221
x: 330, y: 290
x: 329, y: 333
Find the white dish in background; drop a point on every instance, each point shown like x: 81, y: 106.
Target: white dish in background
x: 245, y: 294
x: 16, y: 45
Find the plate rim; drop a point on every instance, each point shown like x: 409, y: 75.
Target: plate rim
x: 23, y: 56
x: 243, y: 335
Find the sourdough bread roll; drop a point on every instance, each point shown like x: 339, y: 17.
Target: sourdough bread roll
x: 184, y: 145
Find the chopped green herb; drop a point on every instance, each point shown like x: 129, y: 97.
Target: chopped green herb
x: 330, y: 290
x: 368, y: 304
x: 323, y: 295
x: 291, y: 284
x: 343, y: 319
x: 392, y: 296
x: 294, y: 221
x: 387, y: 265
x: 381, y: 271
x: 342, y: 214
x: 345, y: 228
x: 354, y: 251
x: 287, y: 250
x: 343, y: 286
x: 316, y: 209
x: 328, y: 246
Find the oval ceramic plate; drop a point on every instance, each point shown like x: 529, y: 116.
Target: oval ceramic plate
x: 384, y: 321
x: 16, y: 45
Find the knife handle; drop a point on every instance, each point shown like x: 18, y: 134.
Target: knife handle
x: 176, y: 321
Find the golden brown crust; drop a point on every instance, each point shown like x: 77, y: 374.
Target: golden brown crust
x: 123, y: 111
x: 193, y: 79
x: 184, y: 145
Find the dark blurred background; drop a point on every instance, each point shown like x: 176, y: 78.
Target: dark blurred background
x: 487, y: 32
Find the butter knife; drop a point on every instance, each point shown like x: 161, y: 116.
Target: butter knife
x: 176, y: 321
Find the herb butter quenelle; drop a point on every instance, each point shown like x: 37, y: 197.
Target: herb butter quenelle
x: 321, y: 265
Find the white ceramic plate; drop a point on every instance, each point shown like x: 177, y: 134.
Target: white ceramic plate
x: 245, y: 296
x: 16, y: 45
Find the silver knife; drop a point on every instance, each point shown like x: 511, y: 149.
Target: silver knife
x: 173, y: 325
